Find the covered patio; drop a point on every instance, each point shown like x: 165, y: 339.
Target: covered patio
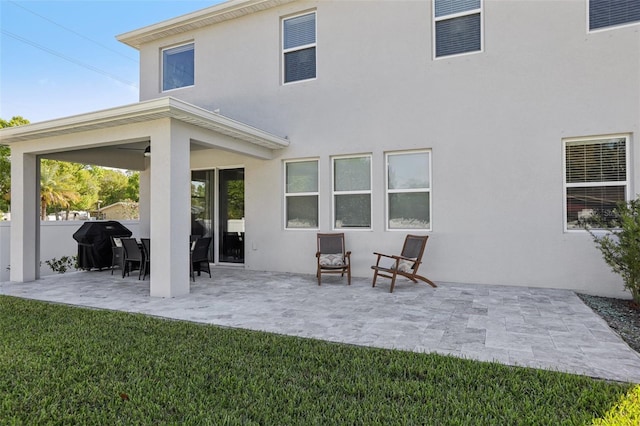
x: 532, y: 327
x: 167, y: 128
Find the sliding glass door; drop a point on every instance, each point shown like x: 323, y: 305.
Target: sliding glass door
x: 219, y: 208
x: 231, y: 215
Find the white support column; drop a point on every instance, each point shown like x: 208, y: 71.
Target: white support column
x: 25, y: 217
x: 144, y: 203
x: 170, y: 210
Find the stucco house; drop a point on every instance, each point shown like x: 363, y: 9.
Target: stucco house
x: 489, y: 125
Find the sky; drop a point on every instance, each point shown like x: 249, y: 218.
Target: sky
x: 61, y: 58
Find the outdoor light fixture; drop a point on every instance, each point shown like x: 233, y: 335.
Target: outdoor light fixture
x: 147, y: 151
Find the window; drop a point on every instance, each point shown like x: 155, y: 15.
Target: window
x: 352, y: 192
x: 299, y: 47
x: 609, y: 13
x: 596, y: 178
x: 177, y: 67
x: 458, y: 27
x: 301, y: 194
x: 409, y: 190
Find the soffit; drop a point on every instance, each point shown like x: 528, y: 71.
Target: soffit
x: 144, y: 112
x: 212, y: 15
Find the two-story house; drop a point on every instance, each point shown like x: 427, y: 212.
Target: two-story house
x: 492, y: 126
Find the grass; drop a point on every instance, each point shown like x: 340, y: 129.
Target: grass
x: 68, y: 365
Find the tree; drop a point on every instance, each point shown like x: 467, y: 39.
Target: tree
x: 57, y: 188
x: 5, y: 163
x: 620, y: 246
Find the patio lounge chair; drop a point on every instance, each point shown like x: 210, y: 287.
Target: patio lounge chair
x: 405, y: 265
x: 132, y: 256
x: 331, y: 256
x: 200, y: 257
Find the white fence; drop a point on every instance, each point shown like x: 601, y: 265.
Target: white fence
x: 56, y: 240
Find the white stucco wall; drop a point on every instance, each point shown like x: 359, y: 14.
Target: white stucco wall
x: 494, y: 121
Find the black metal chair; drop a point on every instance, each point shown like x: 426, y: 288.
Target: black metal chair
x: 116, y: 253
x: 132, y: 256
x: 146, y: 249
x: 199, y: 258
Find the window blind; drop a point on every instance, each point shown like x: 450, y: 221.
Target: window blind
x: 300, y: 31
x: 607, y: 13
x: 596, y: 161
x: 458, y: 35
x: 449, y: 7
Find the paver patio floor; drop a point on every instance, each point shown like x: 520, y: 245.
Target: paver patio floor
x: 531, y: 327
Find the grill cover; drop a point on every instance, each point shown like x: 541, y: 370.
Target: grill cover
x: 94, y: 242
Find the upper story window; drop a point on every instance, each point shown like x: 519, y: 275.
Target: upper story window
x: 352, y: 192
x: 299, y: 47
x: 609, y: 13
x: 178, y: 67
x: 409, y: 190
x: 458, y: 27
x: 301, y: 194
x: 596, y: 178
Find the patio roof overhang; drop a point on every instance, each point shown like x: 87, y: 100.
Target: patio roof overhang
x: 99, y: 137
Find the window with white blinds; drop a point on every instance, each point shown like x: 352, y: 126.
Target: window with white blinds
x: 408, y: 184
x: 609, y: 13
x: 352, y: 192
x: 457, y: 27
x: 301, y: 194
x: 596, y: 178
x: 299, y: 47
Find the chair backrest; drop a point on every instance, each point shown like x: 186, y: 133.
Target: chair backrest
x: 331, y: 243
x: 414, y: 246
x: 200, y: 251
x: 131, y: 249
x: 146, y: 246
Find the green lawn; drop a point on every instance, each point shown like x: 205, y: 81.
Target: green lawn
x: 67, y: 365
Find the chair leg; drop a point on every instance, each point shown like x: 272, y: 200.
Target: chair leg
x: 393, y: 282
x: 349, y: 275
x: 319, y: 275
x: 375, y: 277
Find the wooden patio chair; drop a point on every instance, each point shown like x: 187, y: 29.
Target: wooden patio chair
x: 331, y: 256
x: 405, y: 265
x: 200, y: 257
x: 132, y: 256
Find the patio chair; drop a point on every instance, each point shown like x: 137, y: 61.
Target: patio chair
x: 331, y: 256
x: 132, y: 256
x: 200, y: 257
x: 116, y: 253
x: 146, y: 250
x: 405, y: 265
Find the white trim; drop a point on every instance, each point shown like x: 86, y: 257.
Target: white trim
x: 359, y: 192
x: 428, y: 190
x: 469, y: 12
x: 286, y: 195
x: 626, y: 183
x: 284, y: 51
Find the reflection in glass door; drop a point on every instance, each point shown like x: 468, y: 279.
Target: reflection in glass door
x: 202, y: 207
x: 231, y: 215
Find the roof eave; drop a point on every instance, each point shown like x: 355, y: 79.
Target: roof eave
x: 144, y: 111
x: 201, y: 18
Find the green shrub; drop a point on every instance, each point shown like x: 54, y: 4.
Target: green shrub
x: 620, y: 247
x: 63, y: 264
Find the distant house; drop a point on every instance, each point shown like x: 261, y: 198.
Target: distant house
x: 489, y: 125
x: 122, y: 210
